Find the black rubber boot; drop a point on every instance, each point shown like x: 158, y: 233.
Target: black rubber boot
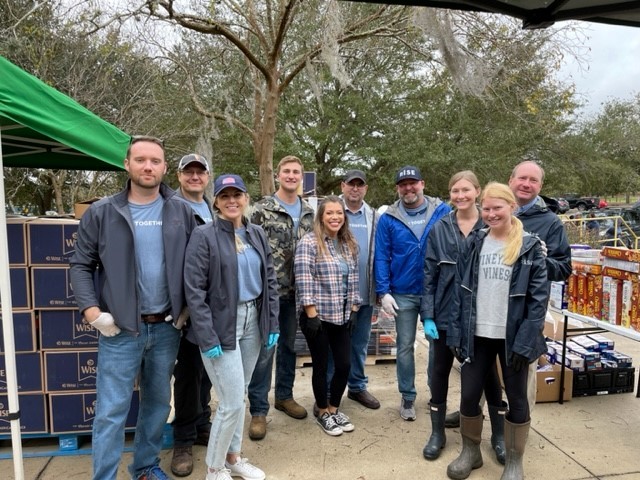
x: 452, y: 420
x: 515, y: 439
x: 496, y: 414
x: 438, y: 439
x: 470, y: 457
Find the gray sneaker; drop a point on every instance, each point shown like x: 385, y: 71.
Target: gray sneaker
x: 407, y: 410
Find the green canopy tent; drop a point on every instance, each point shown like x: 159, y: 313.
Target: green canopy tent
x: 41, y: 127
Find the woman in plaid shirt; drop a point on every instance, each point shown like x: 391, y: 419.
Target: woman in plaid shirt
x: 326, y: 273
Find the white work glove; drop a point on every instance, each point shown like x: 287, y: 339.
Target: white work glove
x: 389, y: 305
x: 106, y: 325
x: 543, y: 246
x: 182, y: 319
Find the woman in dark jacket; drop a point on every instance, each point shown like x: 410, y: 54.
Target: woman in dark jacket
x: 444, y: 247
x: 232, y: 294
x: 500, y: 310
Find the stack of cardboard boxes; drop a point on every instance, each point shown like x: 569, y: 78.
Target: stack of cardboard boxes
x: 56, y: 352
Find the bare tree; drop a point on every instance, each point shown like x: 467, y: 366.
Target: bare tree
x: 277, y: 40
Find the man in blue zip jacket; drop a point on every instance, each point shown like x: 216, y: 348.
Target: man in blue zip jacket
x: 400, y: 249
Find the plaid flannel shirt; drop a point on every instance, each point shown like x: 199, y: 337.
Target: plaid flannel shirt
x: 319, y: 280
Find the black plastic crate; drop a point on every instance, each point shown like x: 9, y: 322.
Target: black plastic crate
x: 603, y: 382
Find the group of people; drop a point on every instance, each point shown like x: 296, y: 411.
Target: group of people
x: 209, y: 291
x: 203, y: 289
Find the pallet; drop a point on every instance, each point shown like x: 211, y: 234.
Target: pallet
x: 52, y: 445
x: 305, y: 360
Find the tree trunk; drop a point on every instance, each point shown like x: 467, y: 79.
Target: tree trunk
x: 265, y: 139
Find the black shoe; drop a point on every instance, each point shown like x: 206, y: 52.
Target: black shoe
x: 452, y: 420
x: 202, y: 438
x: 316, y: 410
x: 364, y: 398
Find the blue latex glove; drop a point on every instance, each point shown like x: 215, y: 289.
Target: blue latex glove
x: 272, y: 340
x: 213, y: 352
x: 430, y: 330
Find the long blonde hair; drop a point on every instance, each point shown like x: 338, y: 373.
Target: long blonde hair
x: 513, y: 245
x: 245, y: 218
x: 346, y: 240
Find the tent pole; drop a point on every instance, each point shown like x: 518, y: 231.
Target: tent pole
x: 7, y: 328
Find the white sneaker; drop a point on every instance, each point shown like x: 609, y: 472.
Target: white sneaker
x: 222, y: 474
x: 242, y: 468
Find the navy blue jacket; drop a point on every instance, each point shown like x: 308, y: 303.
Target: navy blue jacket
x: 528, y: 296
x: 444, y: 247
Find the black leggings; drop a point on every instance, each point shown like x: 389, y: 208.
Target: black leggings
x: 337, y: 340
x: 474, y: 375
x: 443, y: 361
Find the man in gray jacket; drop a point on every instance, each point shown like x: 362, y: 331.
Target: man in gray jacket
x: 191, y: 385
x: 134, y: 243
x: 362, y: 222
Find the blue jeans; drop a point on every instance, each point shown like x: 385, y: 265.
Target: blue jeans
x: 285, y: 363
x: 152, y: 354
x: 357, y: 381
x: 406, y: 324
x: 230, y: 374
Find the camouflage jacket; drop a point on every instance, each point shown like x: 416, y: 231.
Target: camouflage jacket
x: 278, y: 225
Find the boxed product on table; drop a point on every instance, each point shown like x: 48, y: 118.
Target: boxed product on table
x: 604, y: 343
x: 621, y: 359
x: 621, y: 253
x: 585, y: 342
x: 559, y: 297
x: 574, y: 362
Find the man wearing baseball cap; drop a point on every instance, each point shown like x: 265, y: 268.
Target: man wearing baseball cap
x: 363, y: 221
x: 400, y: 249
x: 191, y: 387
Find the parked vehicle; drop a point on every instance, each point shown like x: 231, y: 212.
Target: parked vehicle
x: 581, y: 203
x: 556, y: 205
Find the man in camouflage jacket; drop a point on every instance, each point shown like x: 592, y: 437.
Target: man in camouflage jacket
x: 285, y: 217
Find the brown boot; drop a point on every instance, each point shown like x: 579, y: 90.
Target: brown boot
x: 515, y: 441
x: 258, y: 427
x: 291, y: 408
x: 182, y: 461
x: 470, y: 457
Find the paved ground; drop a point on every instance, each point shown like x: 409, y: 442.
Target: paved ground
x: 586, y: 438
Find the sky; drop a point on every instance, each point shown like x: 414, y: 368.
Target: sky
x: 611, y: 68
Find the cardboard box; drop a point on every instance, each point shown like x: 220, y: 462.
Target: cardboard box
x: 81, y: 207
x: 33, y: 414
x: 52, y: 241
x: 28, y: 370
x: 74, y: 412
x: 65, y: 329
x: 17, y: 241
x: 66, y: 371
x: 24, y: 332
x: 20, y: 288
x: 631, y: 267
x: 52, y: 288
x: 548, y: 382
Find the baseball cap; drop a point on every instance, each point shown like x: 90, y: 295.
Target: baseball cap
x: 193, y: 158
x: 228, y: 180
x: 355, y: 175
x: 408, y: 172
